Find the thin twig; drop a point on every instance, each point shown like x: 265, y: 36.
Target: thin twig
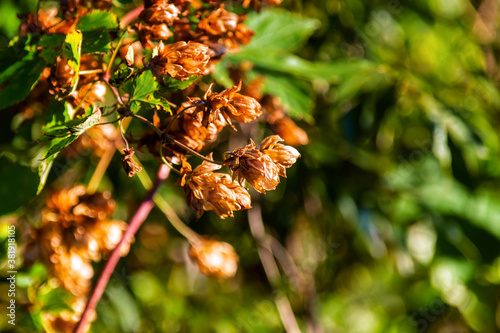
x: 271, y: 268
x: 169, y: 212
x: 171, y: 139
x: 107, y: 75
x: 101, y: 168
x: 140, y: 215
x: 181, y: 112
x: 183, y: 146
x: 167, y: 163
x: 130, y: 16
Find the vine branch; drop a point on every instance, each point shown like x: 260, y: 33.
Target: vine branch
x: 140, y: 215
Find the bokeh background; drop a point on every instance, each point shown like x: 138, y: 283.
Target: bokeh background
x: 391, y: 217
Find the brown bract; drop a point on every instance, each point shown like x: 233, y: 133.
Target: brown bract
x: 262, y: 167
x: 220, y: 108
x: 160, y: 12
x: 152, y: 32
x: 219, y: 21
x: 250, y: 164
x: 206, y: 190
x: 180, y: 60
x: 283, y: 156
x: 130, y: 166
x: 215, y: 258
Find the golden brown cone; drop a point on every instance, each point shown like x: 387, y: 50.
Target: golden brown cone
x: 180, y: 60
x: 130, y: 166
x: 283, y: 156
x: 206, y: 190
x: 220, y: 108
x: 219, y: 21
x: 160, y: 12
x: 153, y: 32
x: 75, y: 230
x: 215, y: 258
x: 250, y: 164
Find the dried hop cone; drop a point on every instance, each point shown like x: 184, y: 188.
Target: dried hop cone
x: 219, y: 21
x: 236, y: 106
x: 261, y: 167
x: 160, y: 12
x: 206, y: 190
x: 180, y: 60
x: 215, y: 258
x: 131, y: 167
x: 283, y: 156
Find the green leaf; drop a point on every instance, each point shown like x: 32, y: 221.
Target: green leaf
x: 142, y: 91
x: 221, y: 74
x: 71, y: 49
x: 62, y: 136
x: 55, y: 300
x: 18, y: 185
x: 120, y: 76
x: 58, y: 144
x: 292, y: 64
x: 51, y: 47
x: 97, y: 19
x: 57, y: 114
x: 96, y: 41
x: 274, y: 31
x: 21, y: 77
x: 294, y: 94
x: 172, y: 84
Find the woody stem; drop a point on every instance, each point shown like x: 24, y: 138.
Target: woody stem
x: 140, y: 215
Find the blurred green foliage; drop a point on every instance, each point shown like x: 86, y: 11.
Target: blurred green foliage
x: 392, y: 215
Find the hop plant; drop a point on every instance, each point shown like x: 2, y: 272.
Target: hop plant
x: 89, y: 92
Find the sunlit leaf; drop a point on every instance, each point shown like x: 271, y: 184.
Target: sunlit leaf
x: 97, y: 19
x: 277, y: 29
x: 71, y: 50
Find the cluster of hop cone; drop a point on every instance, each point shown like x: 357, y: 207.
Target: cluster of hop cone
x: 76, y: 227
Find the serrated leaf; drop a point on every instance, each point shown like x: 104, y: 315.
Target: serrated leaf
x: 71, y: 49
x: 97, y: 19
x: 142, y: 91
x: 294, y: 94
x: 58, y: 144
x: 271, y: 34
x: 87, y: 123
x: 64, y: 136
x: 51, y: 47
x: 21, y: 77
x: 172, y: 84
x: 96, y: 41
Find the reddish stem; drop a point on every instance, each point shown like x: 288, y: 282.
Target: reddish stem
x: 136, y: 221
x: 130, y: 16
